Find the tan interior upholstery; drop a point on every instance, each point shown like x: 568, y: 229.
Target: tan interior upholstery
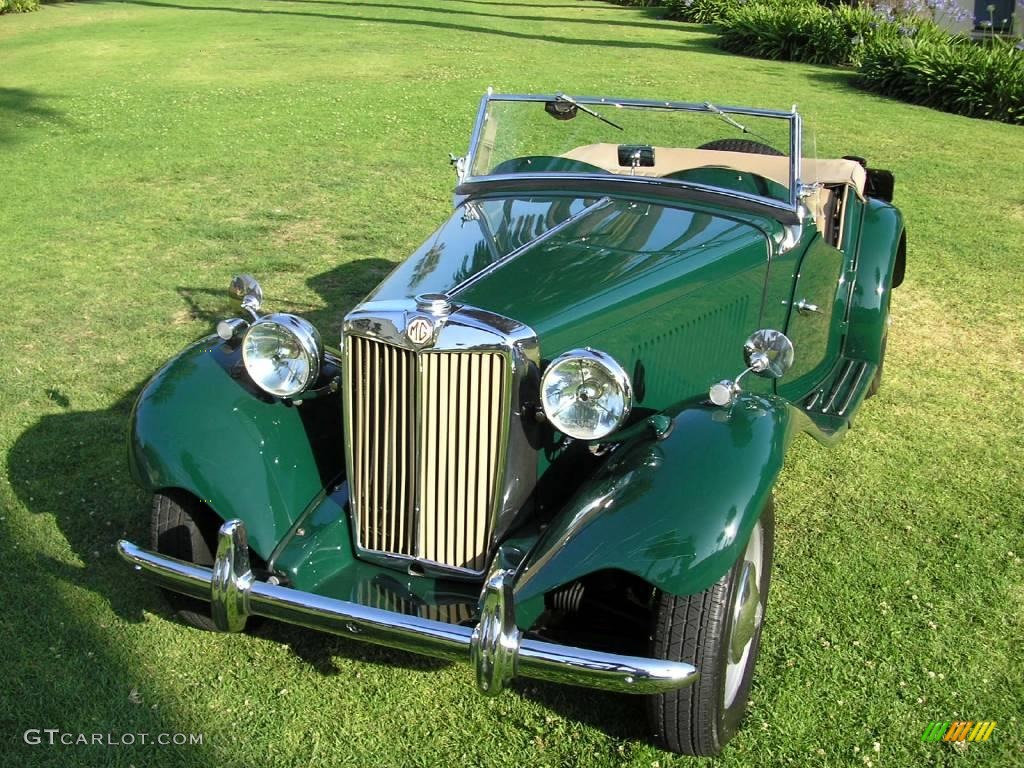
x: 775, y: 167
x: 829, y: 173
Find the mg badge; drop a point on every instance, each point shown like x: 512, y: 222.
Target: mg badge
x: 419, y: 330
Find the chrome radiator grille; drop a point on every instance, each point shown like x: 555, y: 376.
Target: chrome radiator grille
x: 426, y: 434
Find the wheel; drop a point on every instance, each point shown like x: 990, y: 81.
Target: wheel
x: 876, y: 382
x: 740, y: 145
x: 719, y: 632
x: 185, y: 528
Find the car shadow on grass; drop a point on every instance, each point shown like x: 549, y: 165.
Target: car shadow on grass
x: 340, y: 289
x: 64, y: 668
x: 321, y: 650
x: 73, y: 465
x: 618, y: 715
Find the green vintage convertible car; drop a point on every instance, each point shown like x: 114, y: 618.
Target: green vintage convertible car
x: 546, y: 443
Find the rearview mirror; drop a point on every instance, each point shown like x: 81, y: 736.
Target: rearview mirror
x: 560, y: 110
x: 636, y: 155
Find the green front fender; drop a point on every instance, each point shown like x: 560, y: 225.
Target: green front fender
x: 201, y: 426
x: 676, y: 512
x: 882, y: 252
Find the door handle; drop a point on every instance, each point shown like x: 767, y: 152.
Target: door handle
x: 804, y: 307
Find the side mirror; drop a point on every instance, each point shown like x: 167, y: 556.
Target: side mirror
x: 768, y: 353
x: 247, y: 289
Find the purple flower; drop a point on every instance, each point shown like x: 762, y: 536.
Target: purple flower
x: 1020, y: 46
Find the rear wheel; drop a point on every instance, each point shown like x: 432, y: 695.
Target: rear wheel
x: 876, y: 382
x: 740, y: 145
x: 185, y: 528
x: 719, y: 632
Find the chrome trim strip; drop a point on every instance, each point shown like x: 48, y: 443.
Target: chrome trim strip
x: 796, y: 150
x: 474, y: 139
x: 516, y: 252
x: 478, y: 186
x: 687, y: 106
x: 531, y: 658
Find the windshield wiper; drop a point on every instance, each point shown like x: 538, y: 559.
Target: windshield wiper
x: 711, y: 107
x: 592, y: 113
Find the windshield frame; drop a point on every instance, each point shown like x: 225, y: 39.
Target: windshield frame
x: 795, y: 148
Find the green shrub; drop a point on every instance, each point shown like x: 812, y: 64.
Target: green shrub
x: 700, y: 11
x: 791, y: 31
x: 641, y: 3
x: 803, y: 30
x: 18, y: 6
x: 954, y: 75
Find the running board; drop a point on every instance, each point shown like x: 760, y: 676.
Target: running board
x: 830, y: 404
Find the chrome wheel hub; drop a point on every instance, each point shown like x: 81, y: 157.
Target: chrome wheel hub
x: 746, y: 613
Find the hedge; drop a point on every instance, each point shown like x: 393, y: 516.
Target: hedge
x: 953, y: 75
x: 18, y: 6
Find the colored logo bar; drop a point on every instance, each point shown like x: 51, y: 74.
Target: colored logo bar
x: 959, y: 730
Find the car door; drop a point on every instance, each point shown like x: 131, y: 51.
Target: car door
x: 815, y: 318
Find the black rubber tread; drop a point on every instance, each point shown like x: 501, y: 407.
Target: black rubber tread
x: 876, y: 381
x: 741, y: 145
x: 185, y: 528
x: 692, y: 628
x: 686, y: 629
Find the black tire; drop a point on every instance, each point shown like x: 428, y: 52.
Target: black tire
x: 876, y: 381
x: 185, y: 528
x: 741, y: 145
x: 696, y: 629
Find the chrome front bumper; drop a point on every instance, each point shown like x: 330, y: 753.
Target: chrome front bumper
x: 495, y: 646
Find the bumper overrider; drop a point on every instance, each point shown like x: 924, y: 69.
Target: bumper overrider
x: 495, y: 647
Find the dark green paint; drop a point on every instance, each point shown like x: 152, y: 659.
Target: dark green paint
x: 201, y: 429
x: 730, y: 178
x: 670, y: 289
x: 317, y: 556
x: 678, y: 290
x: 544, y: 164
x: 674, y: 289
x: 675, y: 512
x: 816, y: 336
x: 880, y: 236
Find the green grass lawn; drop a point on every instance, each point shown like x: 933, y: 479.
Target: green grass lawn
x: 149, y: 150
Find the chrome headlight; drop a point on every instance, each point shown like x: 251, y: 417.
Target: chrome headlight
x: 586, y: 394
x: 282, y: 354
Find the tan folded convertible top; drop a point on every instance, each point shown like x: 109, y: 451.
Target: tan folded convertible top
x: 775, y: 167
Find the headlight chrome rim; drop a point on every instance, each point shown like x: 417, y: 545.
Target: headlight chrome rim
x: 307, y: 339
x: 616, y: 374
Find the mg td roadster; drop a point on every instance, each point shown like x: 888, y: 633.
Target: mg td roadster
x: 546, y: 443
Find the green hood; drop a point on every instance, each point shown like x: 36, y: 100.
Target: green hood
x: 670, y: 292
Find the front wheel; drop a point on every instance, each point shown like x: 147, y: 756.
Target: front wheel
x: 719, y: 632
x: 185, y: 528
